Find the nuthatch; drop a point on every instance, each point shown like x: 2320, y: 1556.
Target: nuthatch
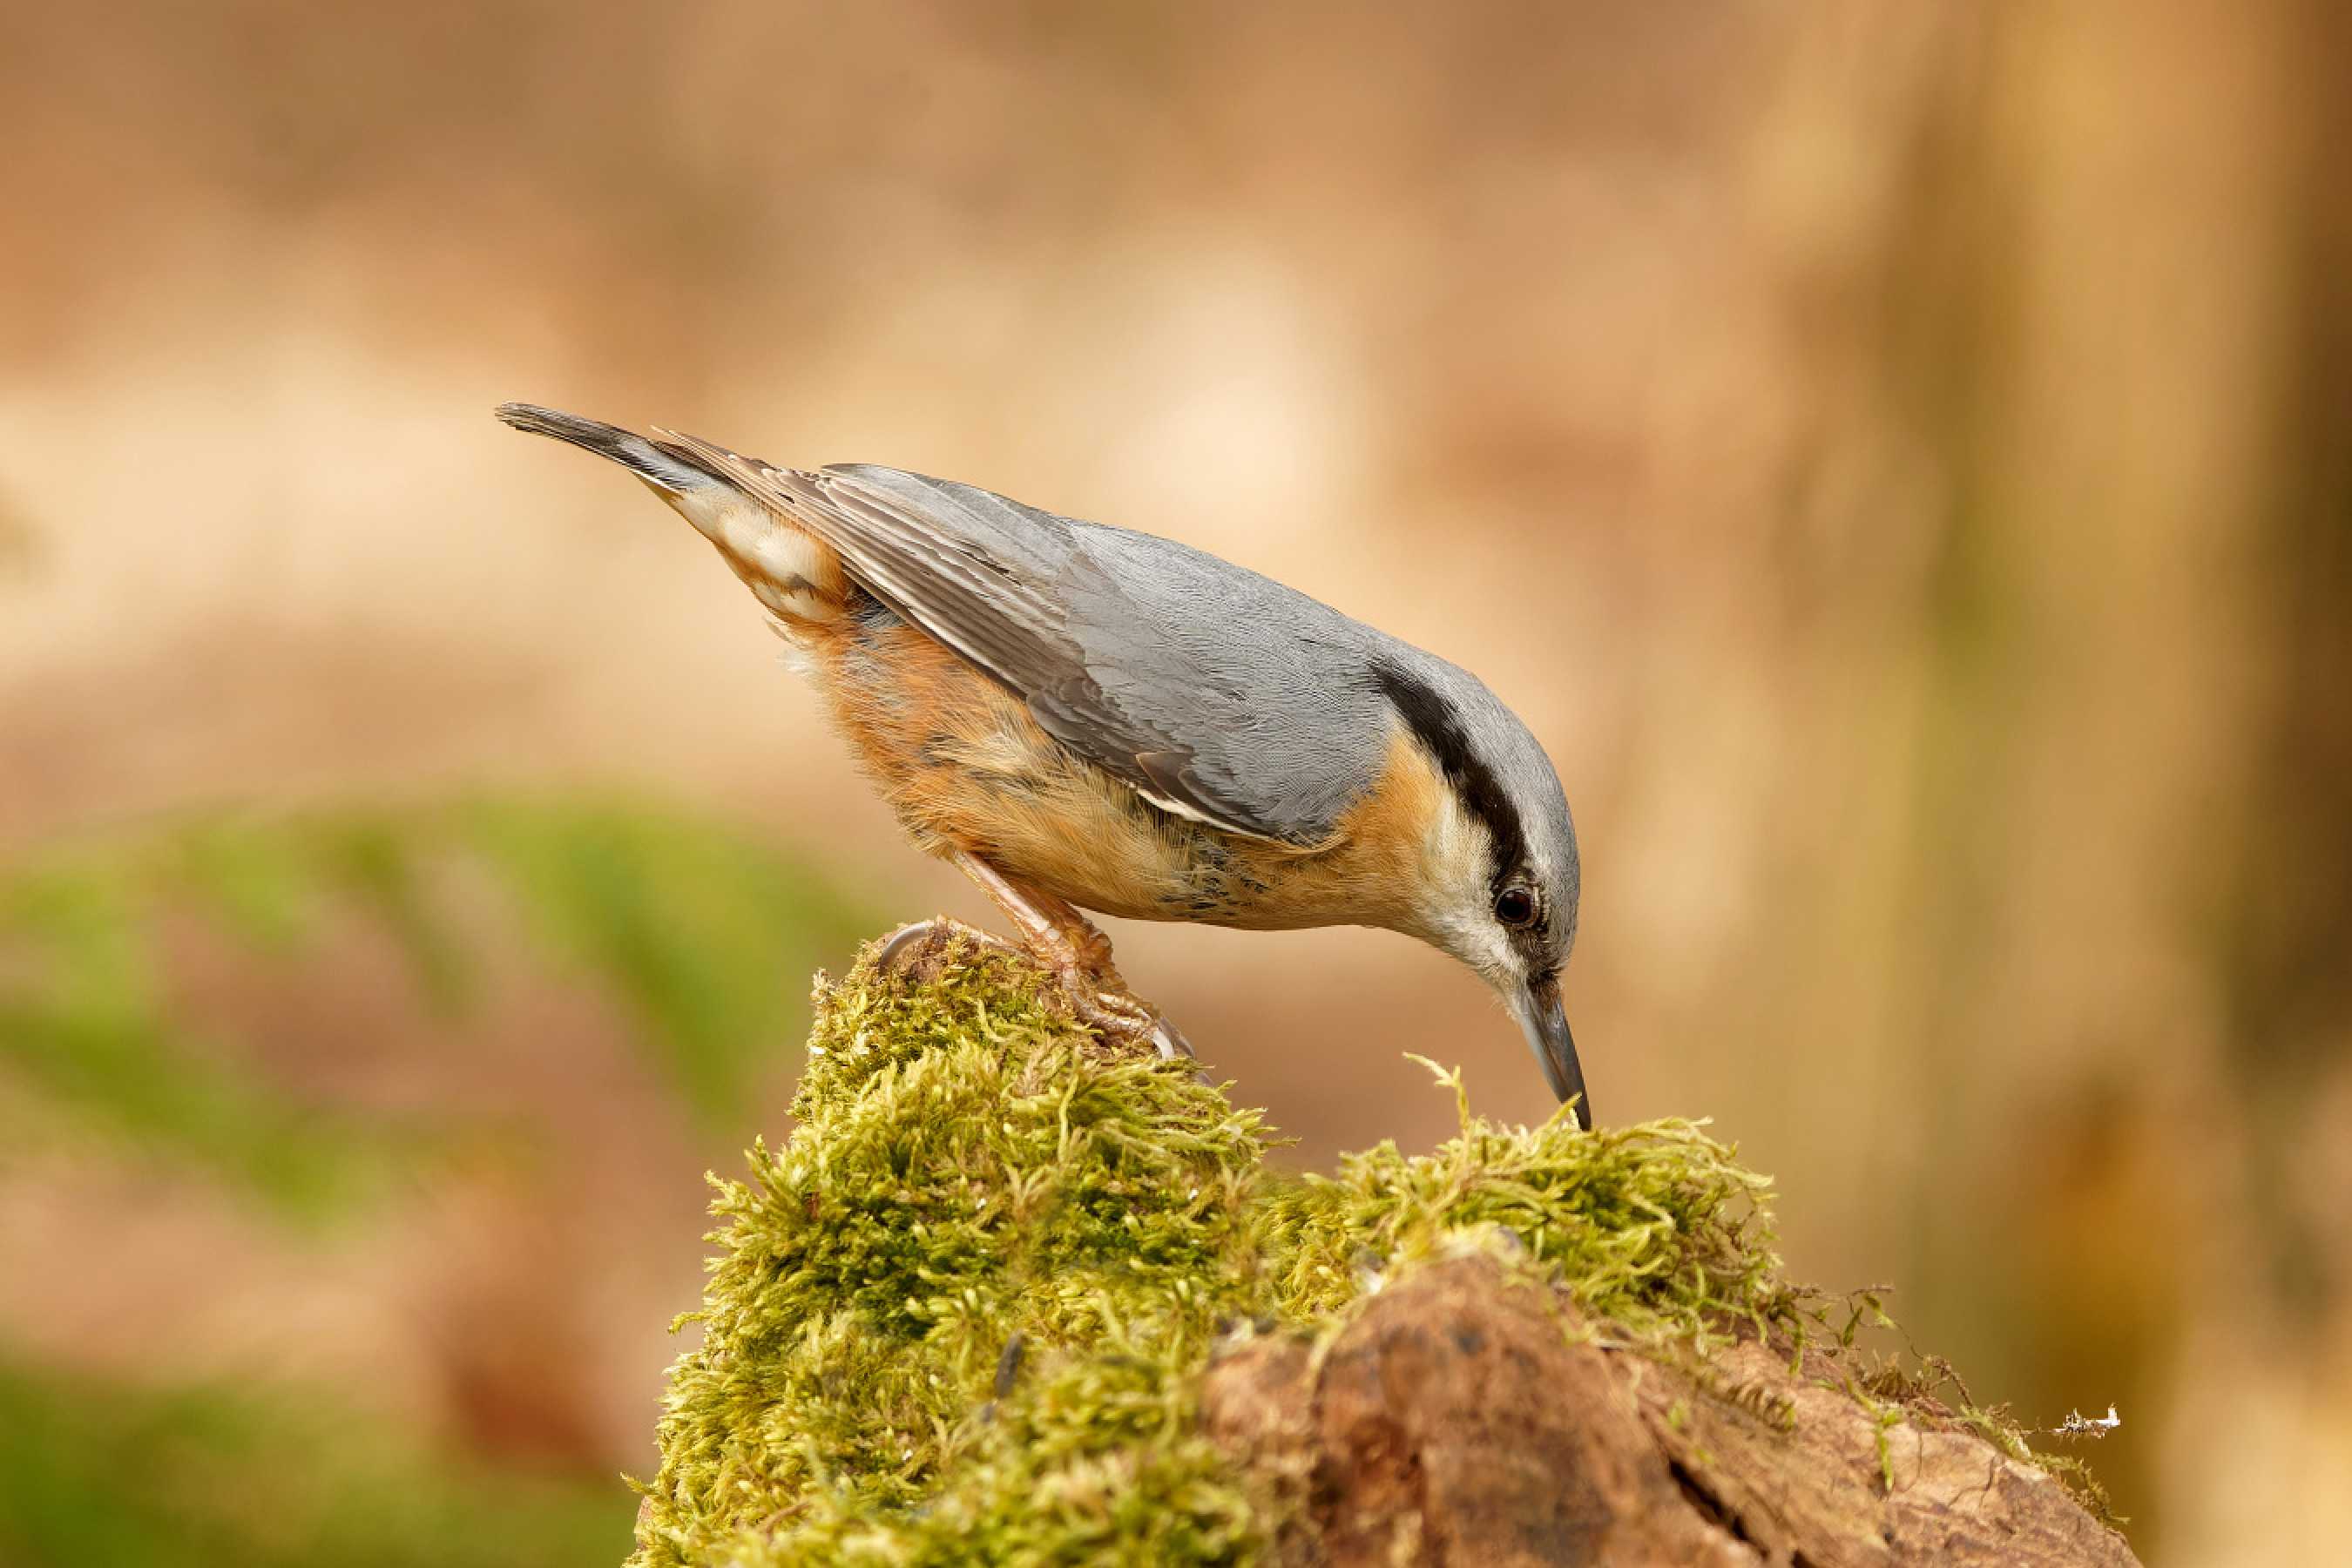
x: 1080, y: 716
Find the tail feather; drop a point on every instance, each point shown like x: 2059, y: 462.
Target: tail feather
x: 665, y: 467
x: 798, y: 579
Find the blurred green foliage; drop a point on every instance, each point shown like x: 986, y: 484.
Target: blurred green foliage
x: 701, y: 932
x: 231, y: 1477
x: 702, y: 935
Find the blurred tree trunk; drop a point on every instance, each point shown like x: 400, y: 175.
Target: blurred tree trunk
x: 2097, y: 320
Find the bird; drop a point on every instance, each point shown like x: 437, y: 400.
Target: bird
x: 1084, y: 718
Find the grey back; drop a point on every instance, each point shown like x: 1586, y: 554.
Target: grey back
x: 1212, y: 688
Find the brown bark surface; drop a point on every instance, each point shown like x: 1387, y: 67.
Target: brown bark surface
x: 1455, y: 1422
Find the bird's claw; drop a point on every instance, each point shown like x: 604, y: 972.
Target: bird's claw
x: 1171, y: 1040
x: 902, y: 949
x: 1116, y: 1014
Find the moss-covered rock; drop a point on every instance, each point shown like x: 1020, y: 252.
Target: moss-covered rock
x: 961, y: 1301
x: 963, y: 1313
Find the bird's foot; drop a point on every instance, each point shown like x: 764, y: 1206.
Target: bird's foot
x: 1109, y: 1010
x: 1096, y: 994
x: 1078, y: 953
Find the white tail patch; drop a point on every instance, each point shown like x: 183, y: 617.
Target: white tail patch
x: 794, y: 577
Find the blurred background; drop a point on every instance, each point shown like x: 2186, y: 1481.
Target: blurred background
x: 1898, y: 457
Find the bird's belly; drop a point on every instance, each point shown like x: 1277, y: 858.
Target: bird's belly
x: 966, y: 767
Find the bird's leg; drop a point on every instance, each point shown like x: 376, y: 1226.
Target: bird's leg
x: 1078, y: 953
x: 1052, y: 929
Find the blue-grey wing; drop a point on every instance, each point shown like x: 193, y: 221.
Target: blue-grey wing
x: 1272, y: 719
x: 1212, y: 691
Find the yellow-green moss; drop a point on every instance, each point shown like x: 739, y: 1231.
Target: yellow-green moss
x: 971, y: 1173
x: 960, y: 1314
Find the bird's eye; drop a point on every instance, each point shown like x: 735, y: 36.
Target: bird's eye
x: 1515, y: 907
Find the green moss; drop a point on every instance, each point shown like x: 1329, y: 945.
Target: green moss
x: 960, y: 1302
x: 960, y: 1315
x: 1926, y: 1390
x: 1653, y: 1229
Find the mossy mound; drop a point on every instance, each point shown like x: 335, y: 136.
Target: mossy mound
x: 961, y: 1314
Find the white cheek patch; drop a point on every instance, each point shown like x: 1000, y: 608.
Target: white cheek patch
x: 1456, y: 896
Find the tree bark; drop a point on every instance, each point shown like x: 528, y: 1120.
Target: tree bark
x: 1460, y: 1419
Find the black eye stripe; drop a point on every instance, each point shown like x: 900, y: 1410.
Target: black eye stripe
x: 1432, y: 721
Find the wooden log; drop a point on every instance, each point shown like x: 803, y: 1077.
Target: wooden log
x: 1465, y: 1417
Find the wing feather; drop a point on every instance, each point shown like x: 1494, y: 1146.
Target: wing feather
x: 1012, y: 619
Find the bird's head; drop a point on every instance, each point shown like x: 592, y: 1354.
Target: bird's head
x: 1497, y: 882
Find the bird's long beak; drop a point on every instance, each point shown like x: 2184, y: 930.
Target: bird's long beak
x: 1545, y: 1022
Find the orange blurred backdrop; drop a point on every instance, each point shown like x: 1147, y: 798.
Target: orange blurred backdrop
x: 1896, y: 456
